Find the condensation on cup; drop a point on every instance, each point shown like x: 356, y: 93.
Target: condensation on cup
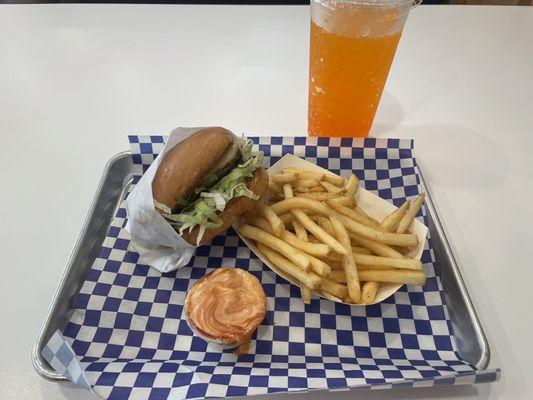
x: 352, y: 47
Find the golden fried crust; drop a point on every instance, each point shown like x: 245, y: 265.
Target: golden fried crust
x: 237, y: 206
x: 185, y: 166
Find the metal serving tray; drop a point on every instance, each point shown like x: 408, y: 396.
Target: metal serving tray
x: 118, y: 174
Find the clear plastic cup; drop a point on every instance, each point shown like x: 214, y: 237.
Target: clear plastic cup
x: 352, y: 47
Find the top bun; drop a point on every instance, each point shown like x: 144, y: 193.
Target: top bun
x: 197, y: 155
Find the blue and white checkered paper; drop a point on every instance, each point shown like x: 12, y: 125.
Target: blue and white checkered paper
x: 127, y: 338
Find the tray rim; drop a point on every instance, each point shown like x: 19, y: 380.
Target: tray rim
x: 42, y: 368
x: 484, y: 360
x: 39, y: 364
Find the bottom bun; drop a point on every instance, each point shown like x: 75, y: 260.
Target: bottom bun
x: 236, y: 207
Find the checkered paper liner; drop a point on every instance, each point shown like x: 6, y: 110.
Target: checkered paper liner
x: 127, y: 339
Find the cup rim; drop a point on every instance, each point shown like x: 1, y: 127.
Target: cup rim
x: 378, y: 3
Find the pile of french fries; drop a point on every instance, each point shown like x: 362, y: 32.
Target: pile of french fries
x: 311, y: 228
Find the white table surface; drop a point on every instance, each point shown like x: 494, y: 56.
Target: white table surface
x: 76, y: 79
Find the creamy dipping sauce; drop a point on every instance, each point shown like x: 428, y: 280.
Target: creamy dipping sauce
x: 227, y: 305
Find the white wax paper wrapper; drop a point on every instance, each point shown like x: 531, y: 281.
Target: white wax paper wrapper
x: 156, y: 241
x: 372, y: 204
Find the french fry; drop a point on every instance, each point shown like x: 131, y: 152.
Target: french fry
x: 314, y: 249
x: 324, y: 223
x: 333, y: 257
x: 286, y: 218
x: 402, y: 263
x: 312, y: 239
x: 401, y: 276
x: 377, y: 248
x: 329, y: 296
x: 303, y: 173
x: 309, y: 279
x: 330, y: 188
x: 350, y: 268
x: 259, y: 222
x: 303, y: 203
x: 305, y: 183
x: 293, y: 202
x: 277, y: 225
x: 261, y: 236
x: 359, y: 210
x: 352, y: 184
x: 348, y: 299
x: 397, y: 239
x: 316, y: 189
x: 334, y: 288
x: 320, y: 196
x: 317, y: 176
x: 369, y: 292
x: 317, y: 231
x: 335, y: 205
x: 391, y: 221
x: 305, y: 292
x: 283, y: 178
x: 287, y: 191
x: 292, y: 170
x: 410, y: 214
x: 319, y: 266
x: 403, y: 250
x: 337, y: 265
x: 406, y: 252
x: 348, y: 201
x: 338, y: 276
x: 299, y: 230
x: 334, y: 179
x: 361, y: 267
x: 348, y: 251
x: 360, y: 250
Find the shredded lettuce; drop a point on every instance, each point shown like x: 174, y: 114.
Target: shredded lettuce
x: 183, y: 202
x: 203, y: 212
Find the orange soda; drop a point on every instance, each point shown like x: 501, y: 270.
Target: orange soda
x: 352, y: 48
